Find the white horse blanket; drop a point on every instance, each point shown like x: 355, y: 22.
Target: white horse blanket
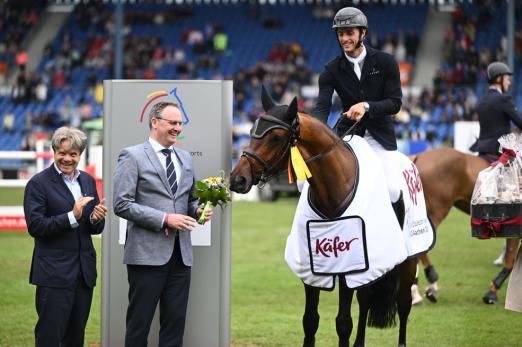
x: 366, y: 241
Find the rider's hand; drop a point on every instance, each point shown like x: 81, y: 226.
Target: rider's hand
x: 356, y: 112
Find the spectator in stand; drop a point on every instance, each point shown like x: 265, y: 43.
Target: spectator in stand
x: 220, y: 40
x: 8, y: 123
x: 411, y: 43
x: 21, y: 60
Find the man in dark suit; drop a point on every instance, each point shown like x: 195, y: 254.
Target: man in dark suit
x: 62, y: 211
x: 368, y: 84
x: 496, y: 111
x: 153, y: 186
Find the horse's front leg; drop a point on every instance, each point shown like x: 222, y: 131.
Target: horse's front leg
x: 311, y: 315
x: 343, y: 322
x: 511, y: 253
x: 364, y: 306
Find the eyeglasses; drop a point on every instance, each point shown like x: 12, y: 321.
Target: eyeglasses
x: 171, y: 122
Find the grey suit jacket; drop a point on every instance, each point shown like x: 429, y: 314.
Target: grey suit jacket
x: 142, y: 196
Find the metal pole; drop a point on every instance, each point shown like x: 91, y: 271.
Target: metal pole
x: 118, y: 46
x: 511, y: 34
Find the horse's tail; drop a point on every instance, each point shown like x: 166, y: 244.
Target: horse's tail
x: 383, y: 300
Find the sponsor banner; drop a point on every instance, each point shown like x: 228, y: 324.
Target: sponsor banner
x: 12, y: 218
x: 10, y: 223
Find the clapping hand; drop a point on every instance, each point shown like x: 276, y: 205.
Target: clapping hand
x: 79, y: 205
x: 99, y: 212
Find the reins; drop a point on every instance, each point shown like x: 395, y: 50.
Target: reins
x: 328, y: 150
x: 293, y: 139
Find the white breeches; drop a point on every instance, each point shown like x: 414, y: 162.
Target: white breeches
x: 391, y: 167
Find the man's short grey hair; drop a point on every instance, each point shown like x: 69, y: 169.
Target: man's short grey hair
x: 156, y: 110
x: 77, y: 137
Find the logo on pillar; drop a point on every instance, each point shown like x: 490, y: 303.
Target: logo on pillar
x: 158, y: 94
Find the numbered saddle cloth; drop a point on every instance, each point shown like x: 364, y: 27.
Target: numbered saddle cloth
x: 364, y: 244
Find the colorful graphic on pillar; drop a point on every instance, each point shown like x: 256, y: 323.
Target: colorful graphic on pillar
x: 161, y: 94
x: 412, y: 178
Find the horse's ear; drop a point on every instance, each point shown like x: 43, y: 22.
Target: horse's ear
x: 266, y: 100
x: 291, y: 112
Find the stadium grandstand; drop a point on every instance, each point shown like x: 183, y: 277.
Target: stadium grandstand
x: 54, y: 56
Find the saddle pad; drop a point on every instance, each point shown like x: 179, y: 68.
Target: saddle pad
x: 337, y: 246
x: 385, y: 247
x: 419, y: 236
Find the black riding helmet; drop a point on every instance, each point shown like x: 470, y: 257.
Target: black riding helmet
x: 350, y: 17
x: 496, y: 69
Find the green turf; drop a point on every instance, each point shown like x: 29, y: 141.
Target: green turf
x: 267, y: 299
x: 11, y: 196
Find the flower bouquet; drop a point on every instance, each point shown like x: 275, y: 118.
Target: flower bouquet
x: 212, y: 191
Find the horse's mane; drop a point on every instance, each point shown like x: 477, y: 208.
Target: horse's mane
x: 317, y: 123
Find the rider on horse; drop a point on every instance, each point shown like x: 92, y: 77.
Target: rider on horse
x: 368, y: 84
x: 496, y: 110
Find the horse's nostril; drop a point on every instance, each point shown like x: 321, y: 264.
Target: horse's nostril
x: 241, y: 180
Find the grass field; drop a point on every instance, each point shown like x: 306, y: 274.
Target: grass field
x: 267, y: 299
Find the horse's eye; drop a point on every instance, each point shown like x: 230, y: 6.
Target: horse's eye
x: 275, y: 139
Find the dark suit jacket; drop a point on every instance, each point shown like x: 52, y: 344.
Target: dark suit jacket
x: 380, y: 86
x: 495, y: 111
x: 60, y: 254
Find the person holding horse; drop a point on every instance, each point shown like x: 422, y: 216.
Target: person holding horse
x: 496, y: 111
x: 368, y: 84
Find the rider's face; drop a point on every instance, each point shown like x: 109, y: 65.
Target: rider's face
x: 506, y: 82
x: 348, y: 39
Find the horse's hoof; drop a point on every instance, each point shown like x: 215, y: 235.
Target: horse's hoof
x: 432, y: 292
x: 490, y: 298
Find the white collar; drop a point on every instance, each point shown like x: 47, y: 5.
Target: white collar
x: 357, y: 59
x: 157, y: 147
x: 496, y: 88
x: 76, y: 173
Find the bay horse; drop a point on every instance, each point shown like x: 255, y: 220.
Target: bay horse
x: 448, y: 177
x: 334, y: 171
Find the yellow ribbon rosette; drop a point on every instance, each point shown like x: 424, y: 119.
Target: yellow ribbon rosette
x: 300, y: 168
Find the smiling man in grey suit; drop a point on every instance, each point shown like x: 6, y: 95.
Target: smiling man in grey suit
x: 153, y: 186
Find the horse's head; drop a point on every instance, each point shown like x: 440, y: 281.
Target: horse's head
x: 270, y: 139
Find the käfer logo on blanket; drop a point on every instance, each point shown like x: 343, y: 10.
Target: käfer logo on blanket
x: 326, y: 246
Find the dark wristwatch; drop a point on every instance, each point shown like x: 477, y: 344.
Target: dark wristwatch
x: 366, y: 106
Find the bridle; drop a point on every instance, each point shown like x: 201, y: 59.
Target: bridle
x: 268, y: 167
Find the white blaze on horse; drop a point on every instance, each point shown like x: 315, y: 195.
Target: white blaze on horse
x: 345, y: 215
